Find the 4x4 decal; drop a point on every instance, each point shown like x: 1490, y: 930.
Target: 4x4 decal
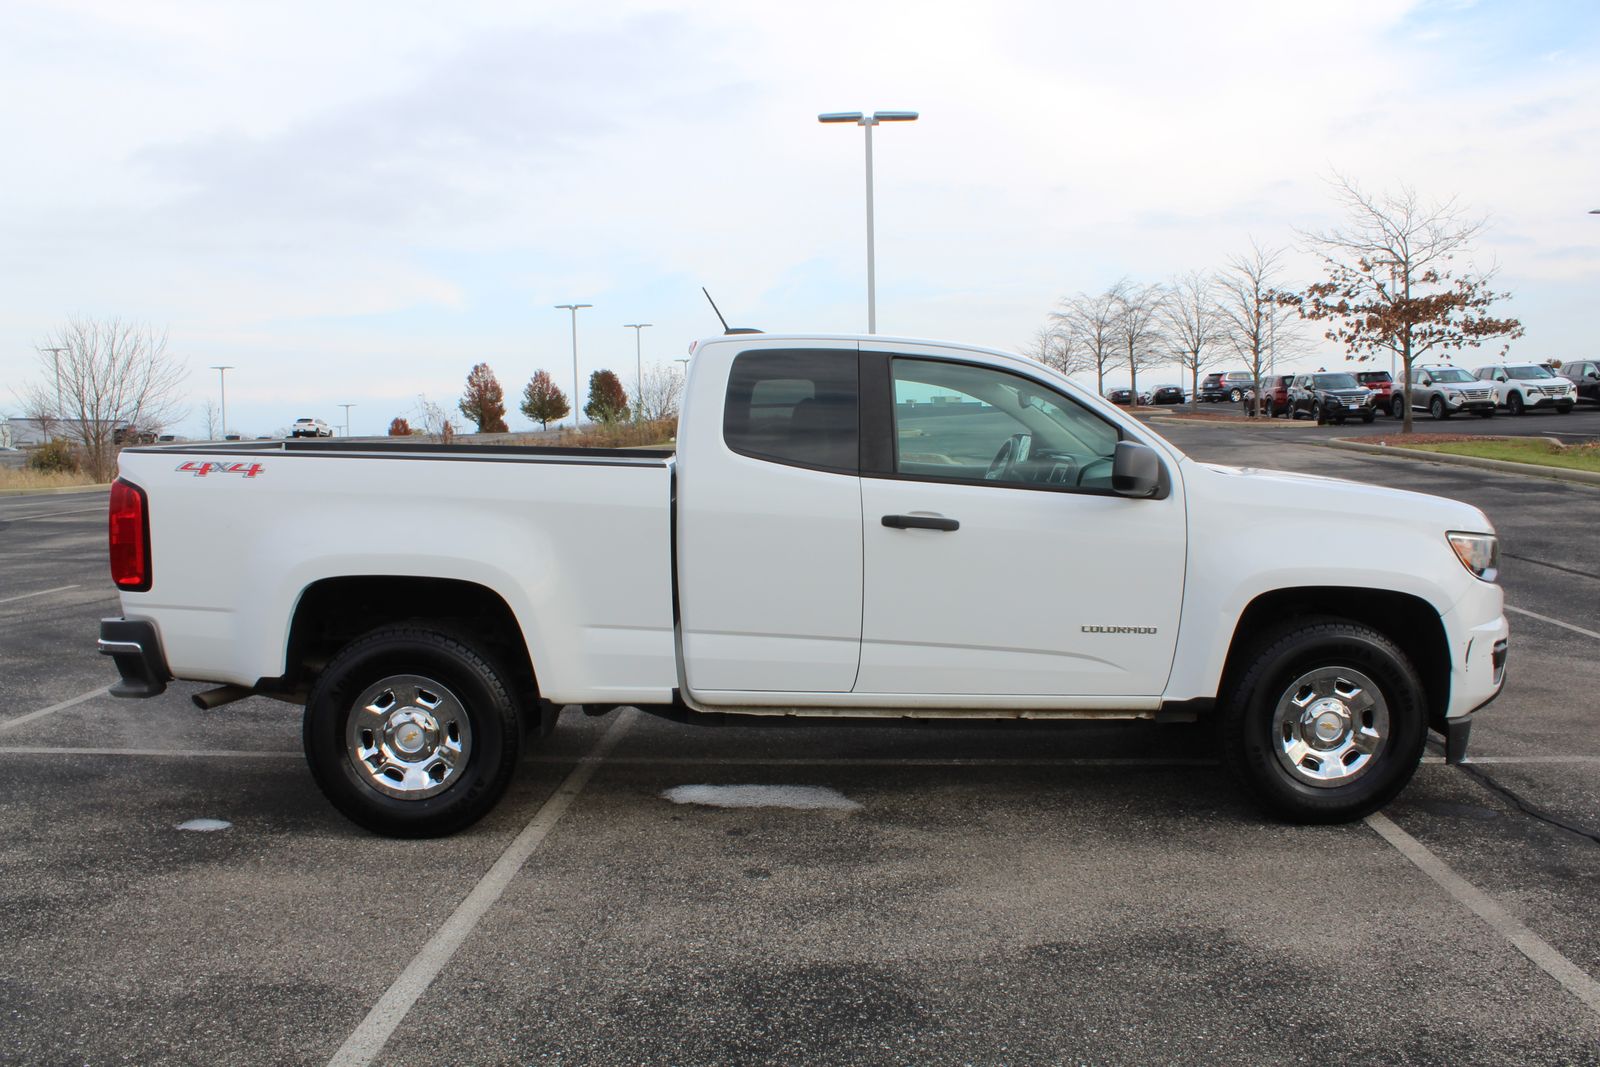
x: 201, y: 469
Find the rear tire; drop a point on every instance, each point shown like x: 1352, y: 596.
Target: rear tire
x: 1326, y: 722
x: 1398, y: 409
x: 412, y: 732
x: 1368, y: 415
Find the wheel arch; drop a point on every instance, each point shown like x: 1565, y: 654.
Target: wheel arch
x: 1408, y: 620
x: 331, y: 612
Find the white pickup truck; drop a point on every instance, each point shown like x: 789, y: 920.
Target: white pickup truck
x: 850, y: 526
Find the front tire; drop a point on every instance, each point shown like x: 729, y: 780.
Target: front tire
x: 412, y: 732
x: 1437, y: 409
x: 1398, y: 409
x: 1514, y: 404
x: 1326, y: 722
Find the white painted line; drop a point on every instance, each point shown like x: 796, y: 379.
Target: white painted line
x: 364, y: 1045
x: 179, y: 753
x: 1575, y: 980
x: 1554, y: 622
x: 42, y: 712
x: 56, y: 514
x: 1519, y: 759
x: 42, y: 592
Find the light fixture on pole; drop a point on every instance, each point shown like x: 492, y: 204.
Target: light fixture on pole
x: 56, y: 352
x: 222, y: 385
x: 638, y: 360
x: 347, y: 408
x: 574, y: 309
x: 685, y: 363
x: 866, y: 122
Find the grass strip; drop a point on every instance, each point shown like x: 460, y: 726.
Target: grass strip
x: 1540, y: 452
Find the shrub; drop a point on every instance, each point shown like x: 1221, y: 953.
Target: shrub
x: 56, y: 457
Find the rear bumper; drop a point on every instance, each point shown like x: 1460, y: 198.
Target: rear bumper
x: 136, y: 648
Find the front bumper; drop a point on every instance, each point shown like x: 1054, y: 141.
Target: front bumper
x: 136, y: 648
x: 1459, y: 404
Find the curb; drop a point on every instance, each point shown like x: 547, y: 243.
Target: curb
x: 1534, y: 470
x: 1240, y: 423
x: 56, y: 492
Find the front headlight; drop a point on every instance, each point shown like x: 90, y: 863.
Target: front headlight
x: 1478, y: 552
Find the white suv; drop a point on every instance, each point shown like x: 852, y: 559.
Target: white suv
x: 310, y: 428
x: 1520, y: 386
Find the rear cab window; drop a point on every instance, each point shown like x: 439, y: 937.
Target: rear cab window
x: 796, y: 407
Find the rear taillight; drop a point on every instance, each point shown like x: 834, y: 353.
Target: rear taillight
x: 130, y: 537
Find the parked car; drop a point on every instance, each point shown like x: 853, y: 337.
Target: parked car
x: 1120, y: 396
x: 1166, y: 394
x: 1443, y: 390
x: 310, y: 428
x: 1584, y: 374
x: 1520, y: 386
x: 1331, y: 396
x: 1024, y: 550
x: 1226, y: 385
x: 1275, y: 395
x: 1381, y: 382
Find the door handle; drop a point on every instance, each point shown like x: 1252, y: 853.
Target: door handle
x: 920, y: 522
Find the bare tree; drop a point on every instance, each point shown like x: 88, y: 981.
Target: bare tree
x: 1092, y: 323
x: 112, y: 374
x: 1138, y: 328
x: 1257, y: 323
x: 1058, y: 348
x: 659, y: 393
x: 1390, y: 287
x: 1194, y: 327
x: 212, y: 421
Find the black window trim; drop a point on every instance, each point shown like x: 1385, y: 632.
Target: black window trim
x: 877, y: 369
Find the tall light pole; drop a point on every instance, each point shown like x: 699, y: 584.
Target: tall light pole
x: 574, y: 309
x: 56, y: 352
x: 638, y: 359
x: 347, y: 408
x: 866, y: 122
x: 222, y: 385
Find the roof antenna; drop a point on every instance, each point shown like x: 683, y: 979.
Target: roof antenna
x: 726, y: 329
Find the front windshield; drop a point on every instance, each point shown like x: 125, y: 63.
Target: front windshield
x: 1528, y: 372
x: 1451, y: 374
x: 1336, y: 381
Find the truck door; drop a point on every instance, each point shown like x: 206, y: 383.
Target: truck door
x: 769, y: 522
x: 998, y: 560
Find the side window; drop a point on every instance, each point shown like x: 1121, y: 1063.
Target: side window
x: 964, y: 423
x: 795, y: 407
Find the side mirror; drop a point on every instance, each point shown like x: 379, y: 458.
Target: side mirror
x: 1593, y: 375
x: 1426, y: 380
x: 1135, y: 469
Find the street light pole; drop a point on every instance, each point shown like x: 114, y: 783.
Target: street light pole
x: 866, y: 122
x: 638, y: 359
x: 347, y: 408
x: 574, y: 309
x: 56, y: 352
x: 222, y: 385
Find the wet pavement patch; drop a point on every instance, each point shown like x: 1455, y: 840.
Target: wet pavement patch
x: 799, y: 797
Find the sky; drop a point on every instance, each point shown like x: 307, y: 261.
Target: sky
x: 356, y: 202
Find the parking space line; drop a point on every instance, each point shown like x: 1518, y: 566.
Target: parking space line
x: 1554, y: 622
x: 364, y: 1045
x: 868, y: 761
x: 42, y: 592
x: 42, y: 712
x: 1572, y: 977
x: 183, y: 753
x: 55, y: 514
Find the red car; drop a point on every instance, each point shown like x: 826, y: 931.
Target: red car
x: 1275, y: 395
x: 1380, y: 382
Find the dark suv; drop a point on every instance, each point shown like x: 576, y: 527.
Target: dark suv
x: 1584, y: 374
x: 1226, y: 385
x: 1331, y: 396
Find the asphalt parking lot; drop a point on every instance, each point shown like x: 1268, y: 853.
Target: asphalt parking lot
x: 987, y: 894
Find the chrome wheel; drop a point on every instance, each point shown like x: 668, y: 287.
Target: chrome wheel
x: 1329, y: 726
x: 408, y: 737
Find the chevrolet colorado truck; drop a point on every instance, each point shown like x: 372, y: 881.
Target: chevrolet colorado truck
x: 848, y: 527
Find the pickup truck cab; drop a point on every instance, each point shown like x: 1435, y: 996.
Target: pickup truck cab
x: 850, y: 527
